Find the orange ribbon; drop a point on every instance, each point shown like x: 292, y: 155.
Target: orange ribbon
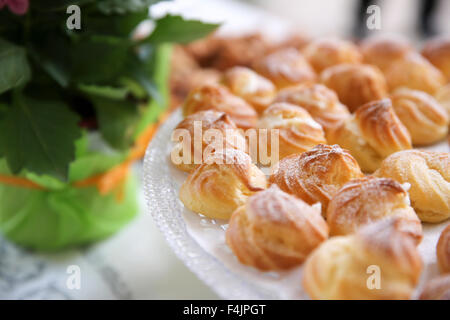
x: 110, y: 180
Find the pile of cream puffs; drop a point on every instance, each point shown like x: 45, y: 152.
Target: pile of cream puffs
x: 352, y: 187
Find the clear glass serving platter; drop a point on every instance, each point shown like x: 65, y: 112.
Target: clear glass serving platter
x: 200, y: 243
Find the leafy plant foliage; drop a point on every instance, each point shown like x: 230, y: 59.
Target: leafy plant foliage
x: 54, y: 82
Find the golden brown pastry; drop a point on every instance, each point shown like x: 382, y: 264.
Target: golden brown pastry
x: 218, y: 97
x: 425, y: 119
x: 429, y: 177
x: 205, y: 120
x: 285, y: 67
x: 321, y: 103
x: 414, y: 72
x: 328, y: 52
x: 355, y: 84
x: 225, y: 52
x: 204, y: 50
x: 221, y: 184
x: 348, y: 267
x: 437, y: 51
x: 371, y: 134
x: 443, y: 97
x: 275, y: 231
x: 253, y: 88
x: 298, y: 132
x: 182, y: 84
x: 381, y: 51
x: 316, y: 175
x: 296, y: 40
x: 437, y: 289
x: 363, y: 201
x: 443, y: 250
x: 186, y: 74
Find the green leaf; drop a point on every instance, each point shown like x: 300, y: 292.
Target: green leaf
x: 114, y: 25
x: 133, y: 87
x: 122, y: 7
x: 14, y: 68
x: 160, y: 78
x: 176, y: 29
x: 138, y: 72
x: 56, y: 5
x: 49, y: 54
x: 117, y: 120
x: 98, y: 59
x: 105, y: 91
x: 39, y: 136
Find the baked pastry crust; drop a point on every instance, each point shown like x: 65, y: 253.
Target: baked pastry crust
x: 223, y: 53
x: 321, y: 103
x: 381, y: 51
x: 298, y: 132
x: 295, y: 40
x: 328, y: 52
x: 355, y: 84
x: 363, y: 201
x: 425, y: 119
x: 371, y: 134
x: 437, y: 51
x: 186, y: 74
x: 443, y: 97
x: 275, y: 231
x: 437, y: 289
x: 341, y: 267
x: 429, y: 177
x: 316, y: 175
x: 219, y: 98
x: 285, y: 67
x: 414, y: 72
x: 208, y: 119
x: 221, y: 184
x: 443, y: 251
x: 253, y: 88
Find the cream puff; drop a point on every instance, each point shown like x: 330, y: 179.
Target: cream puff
x: 221, y: 184
x: 218, y: 97
x: 250, y: 86
x: 298, y: 132
x: 443, y: 250
x: 437, y: 51
x: 365, y: 200
x: 426, y: 120
x: 414, y: 72
x: 321, y: 103
x: 379, y: 262
x: 207, y: 123
x: 355, y: 84
x: 285, y: 67
x: 327, y: 52
x: 371, y: 134
x: 275, y: 231
x: 428, y: 175
x: 315, y: 176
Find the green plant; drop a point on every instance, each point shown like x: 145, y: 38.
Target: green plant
x: 56, y: 83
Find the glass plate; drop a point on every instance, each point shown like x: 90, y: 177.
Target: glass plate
x: 161, y: 193
x: 199, y: 242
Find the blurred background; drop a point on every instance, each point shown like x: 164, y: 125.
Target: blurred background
x: 412, y: 18
x: 137, y: 262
